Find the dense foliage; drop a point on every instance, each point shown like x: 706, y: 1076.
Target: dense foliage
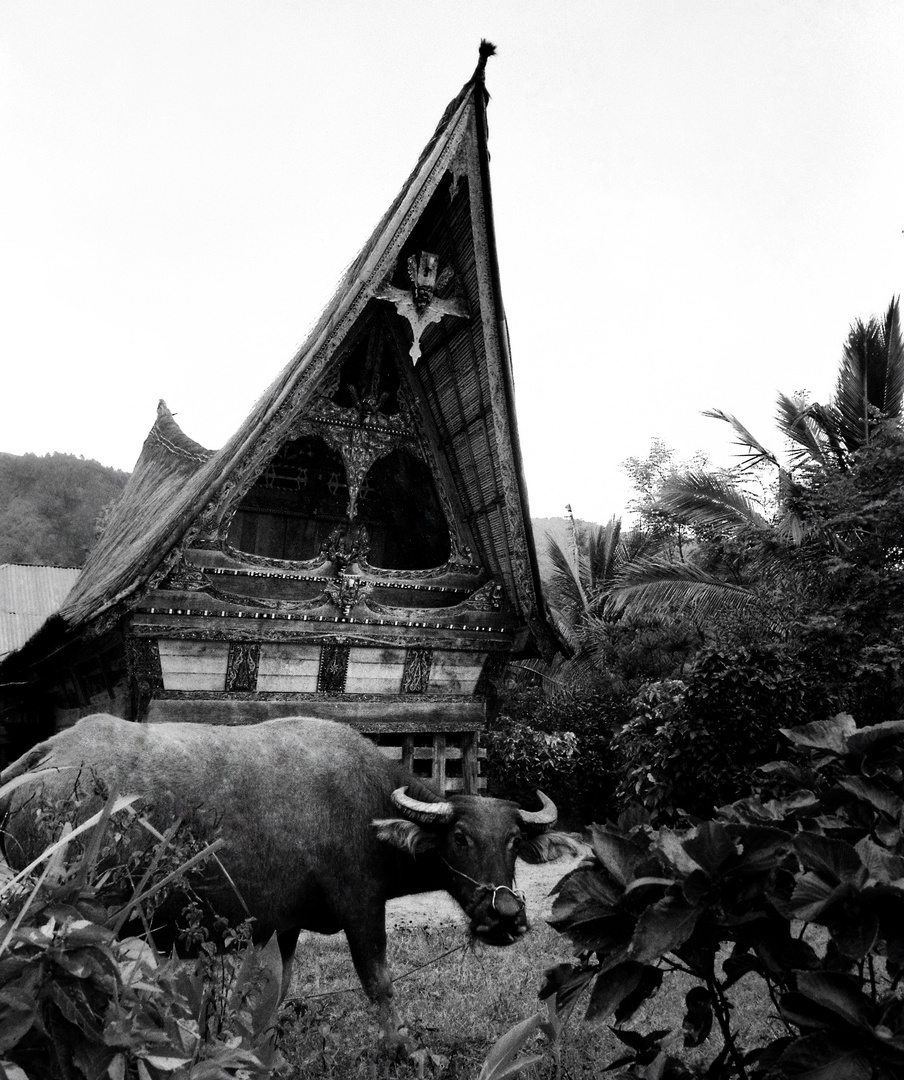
x: 50, y: 505
x: 800, y: 887
x: 695, y: 743
x: 559, y: 745
x: 81, y: 1000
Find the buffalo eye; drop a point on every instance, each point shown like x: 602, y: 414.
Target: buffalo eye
x: 460, y: 839
x: 515, y: 841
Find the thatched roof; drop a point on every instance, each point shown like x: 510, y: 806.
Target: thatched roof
x: 463, y: 375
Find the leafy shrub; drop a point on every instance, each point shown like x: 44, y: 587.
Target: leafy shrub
x: 560, y: 746
x: 800, y: 886
x: 694, y: 744
x: 80, y: 1002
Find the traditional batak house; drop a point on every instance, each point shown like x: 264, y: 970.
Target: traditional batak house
x: 361, y: 548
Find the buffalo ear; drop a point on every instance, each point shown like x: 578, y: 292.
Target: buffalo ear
x: 404, y: 834
x: 547, y: 847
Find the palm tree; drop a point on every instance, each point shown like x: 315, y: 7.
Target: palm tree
x: 763, y: 560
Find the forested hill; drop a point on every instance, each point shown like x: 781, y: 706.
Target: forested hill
x: 49, y: 506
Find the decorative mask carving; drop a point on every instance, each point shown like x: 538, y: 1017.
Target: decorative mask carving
x: 423, y: 303
x: 345, y: 592
x: 344, y: 547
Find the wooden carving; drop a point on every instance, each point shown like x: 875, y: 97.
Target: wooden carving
x: 423, y: 303
x: 333, y: 668
x: 242, y: 665
x: 416, y: 675
x: 145, y: 674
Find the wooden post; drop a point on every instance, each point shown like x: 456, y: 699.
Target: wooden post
x: 470, y: 766
x: 408, y: 752
x: 439, y: 762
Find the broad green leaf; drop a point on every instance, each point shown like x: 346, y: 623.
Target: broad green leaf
x: 835, y: 860
x: 671, y: 845
x: 840, y: 994
x: 819, y: 1057
x: 661, y: 929
x: 566, y: 982
x: 868, y: 738
x: 617, y: 854
x: 882, y: 867
x: 823, y: 734
x: 650, y: 982
x: 18, y: 1013
x: 813, y: 897
x: 611, y: 988
x: 710, y: 846
x: 877, y: 795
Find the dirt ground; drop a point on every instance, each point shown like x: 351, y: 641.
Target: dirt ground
x: 439, y: 909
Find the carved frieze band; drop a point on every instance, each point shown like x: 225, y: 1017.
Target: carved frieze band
x: 416, y: 676
x: 242, y: 665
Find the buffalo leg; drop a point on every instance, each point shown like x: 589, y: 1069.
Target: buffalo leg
x: 367, y: 943
x: 287, y: 941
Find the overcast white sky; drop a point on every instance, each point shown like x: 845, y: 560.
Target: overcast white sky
x: 694, y: 199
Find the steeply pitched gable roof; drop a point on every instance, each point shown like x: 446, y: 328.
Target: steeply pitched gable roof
x: 463, y: 376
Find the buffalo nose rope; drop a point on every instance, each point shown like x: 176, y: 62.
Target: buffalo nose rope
x: 494, y: 889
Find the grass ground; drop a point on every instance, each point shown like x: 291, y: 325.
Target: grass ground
x: 456, y: 1007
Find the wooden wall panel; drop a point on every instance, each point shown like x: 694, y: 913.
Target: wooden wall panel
x: 194, y: 665
x: 288, y: 667
x: 455, y: 671
x: 374, y: 671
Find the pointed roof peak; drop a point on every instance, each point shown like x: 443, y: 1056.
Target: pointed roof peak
x: 486, y: 50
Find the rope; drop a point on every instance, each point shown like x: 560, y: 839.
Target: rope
x: 398, y: 978
x: 494, y: 889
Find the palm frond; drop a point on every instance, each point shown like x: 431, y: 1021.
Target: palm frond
x: 566, y: 586
x: 870, y: 377
x: 685, y: 588
x: 755, y: 451
x: 796, y: 423
x: 894, y: 345
x: 706, y: 499
x: 830, y: 423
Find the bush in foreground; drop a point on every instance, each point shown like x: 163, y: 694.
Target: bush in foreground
x: 800, y: 888
x: 78, y: 1001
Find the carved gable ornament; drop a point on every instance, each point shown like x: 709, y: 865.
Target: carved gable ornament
x: 424, y: 303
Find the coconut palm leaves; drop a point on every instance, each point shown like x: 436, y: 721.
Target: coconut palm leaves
x: 871, y: 377
x: 769, y: 552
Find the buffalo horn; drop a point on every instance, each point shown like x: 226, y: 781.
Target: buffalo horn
x: 540, y: 819
x: 427, y: 813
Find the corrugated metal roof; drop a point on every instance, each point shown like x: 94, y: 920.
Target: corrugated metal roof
x: 28, y: 594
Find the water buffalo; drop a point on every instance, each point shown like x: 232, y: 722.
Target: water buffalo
x: 320, y: 827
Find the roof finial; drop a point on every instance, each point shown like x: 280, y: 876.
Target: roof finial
x: 487, y: 49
